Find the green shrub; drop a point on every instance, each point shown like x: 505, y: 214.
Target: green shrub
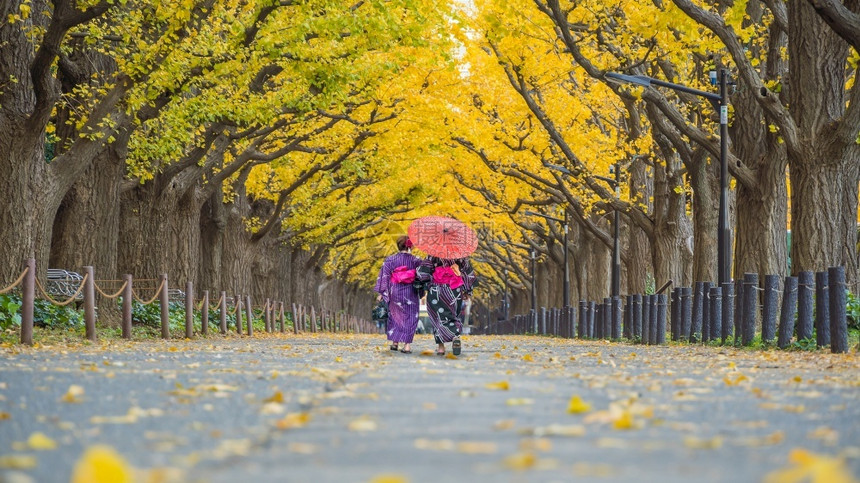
x: 46, y: 314
x: 853, y: 310
x: 9, y: 315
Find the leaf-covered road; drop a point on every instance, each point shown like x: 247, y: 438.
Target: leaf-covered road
x: 345, y: 408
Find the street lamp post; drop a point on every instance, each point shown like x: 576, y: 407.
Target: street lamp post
x: 565, y: 224
x: 615, y: 284
x: 533, y: 256
x: 721, y: 103
x: 505, y: 303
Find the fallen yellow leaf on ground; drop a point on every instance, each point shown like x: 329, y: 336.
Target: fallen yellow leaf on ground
x: 73, y: 394
x: 477, y: 447
x: 277, y: 397
x: 392, y: 478
x: 362, y: 424
x: 101, y: 464
x: 520, y: 461
x: 293, y: 420
x: 808, y: 466
x: 39, y: 441
x: 519, y: 401
x: 698, y: 443
x: 577, y: 406
x: 501, y: 385
x: 18, y: 461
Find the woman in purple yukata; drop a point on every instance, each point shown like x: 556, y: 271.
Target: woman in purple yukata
x: 449, y: 284
x: 394, y: 285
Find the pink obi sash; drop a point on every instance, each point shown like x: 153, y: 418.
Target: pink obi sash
x: 447, y: 276
x: 403, y: 274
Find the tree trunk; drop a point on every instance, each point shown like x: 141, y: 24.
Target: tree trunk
x: 704, y: 175
x: 823, y: 168
x: 672, y: 243
x: 640, y: 262
x: 160, y: 233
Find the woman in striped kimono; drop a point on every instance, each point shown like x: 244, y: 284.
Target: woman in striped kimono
x: 449, y: 284
x: 394, y: 285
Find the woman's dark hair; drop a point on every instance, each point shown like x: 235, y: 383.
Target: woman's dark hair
x: 402, y: 243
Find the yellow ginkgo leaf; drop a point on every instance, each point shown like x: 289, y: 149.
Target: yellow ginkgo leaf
x: 808, y: 466
x: 293, y: 420
x: 499, y: 386
x: 528, y: 358
x: 17, y: 461
x: 39, y: 441
x: 73, y: 394
x: 277, y: 397
x: 389, y: 478
x: 101, y: 464
x: 520, y: 461
x: 624, y: 421
x: 519, y: 401
x: 577, y: 406
x: 362, y: 425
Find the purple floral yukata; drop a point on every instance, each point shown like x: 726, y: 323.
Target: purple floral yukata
x: 402, y: 298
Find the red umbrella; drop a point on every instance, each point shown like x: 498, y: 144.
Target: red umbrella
x: 443, y: 237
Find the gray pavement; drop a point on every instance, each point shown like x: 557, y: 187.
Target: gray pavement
x: 344, y: 408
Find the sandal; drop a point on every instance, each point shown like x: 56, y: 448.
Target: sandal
x: 393, y: 347
x: 405, y: 352
x: 456, y: 346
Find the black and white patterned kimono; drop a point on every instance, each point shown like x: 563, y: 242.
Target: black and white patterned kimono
x: 444, y: 303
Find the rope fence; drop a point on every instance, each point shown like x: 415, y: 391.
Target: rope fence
x: 86, y: 287
x: 16, y: 282
x: 66, y: 302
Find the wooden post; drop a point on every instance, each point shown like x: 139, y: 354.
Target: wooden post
x: 165, y: 308
x: 281, y: 316
x: 127, y: 296
x: 789, y: 309
x: 189, y: 310
x: 223, y: 312
x: 771, y: 297
x: 295, y: 318
x: 28, y: 292
x: 249, y: 310
x: 805, y: 286
x: 90, y: 304
x: 238, y: 314
x: 266, y: 316
x: 313, y: 319
x: 838, y: 313
x: 204, y: 314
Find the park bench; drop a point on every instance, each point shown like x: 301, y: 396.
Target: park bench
x: 64, y: 283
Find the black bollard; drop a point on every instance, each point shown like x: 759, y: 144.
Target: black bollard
x: 592, y: 308
x: 654, y: 321
x: 675, y: 314
x: 786, y: 316
x: 636, y: 323
x: 805, y: 286
x: 822, y: 309
x: 706, y: 311
x: 607, y: 318
x: 838, y: 301
x: 646, y: 320
x: 543, y: 316
x: 698, y: 309
x: 715, y: 311
x: 662, y: 300
x: 768, y: 319
x: 616, y: 318
x: 686, y: 313
x: 750, y: 302
x: 628, y: 331
x: 739, y: 309
x: 583, y: 319
x: 728, y: 315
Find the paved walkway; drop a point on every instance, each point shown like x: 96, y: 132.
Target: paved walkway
x: 335, y: 408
